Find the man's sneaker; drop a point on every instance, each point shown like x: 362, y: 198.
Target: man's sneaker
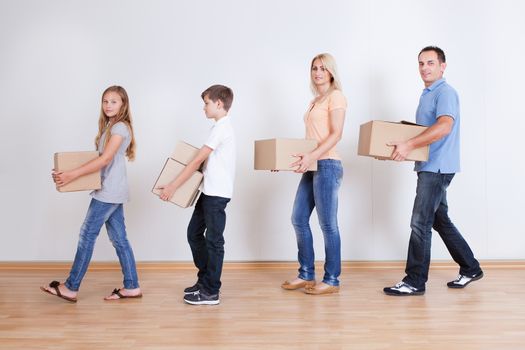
x: 462, y: 280
x: 202, y: 298
x: 195, y: 288
x: 403, y: 288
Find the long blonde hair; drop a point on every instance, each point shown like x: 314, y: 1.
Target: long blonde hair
x: 124, y: 116
x: 329, y: 64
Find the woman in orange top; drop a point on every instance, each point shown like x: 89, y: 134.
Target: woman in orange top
x: 324, y: 122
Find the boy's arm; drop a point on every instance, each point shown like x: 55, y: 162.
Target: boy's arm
x: 62, y: 178
x: 169, y: 189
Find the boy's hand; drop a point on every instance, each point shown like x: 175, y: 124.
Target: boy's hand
x: 62, y: 178
x: 303, y: 163
x: 167, y: 192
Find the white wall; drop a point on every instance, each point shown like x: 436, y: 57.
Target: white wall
x: 56, y: 57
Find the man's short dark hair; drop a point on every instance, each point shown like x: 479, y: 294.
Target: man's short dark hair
x: 219, y: 92
x: 440, y: 53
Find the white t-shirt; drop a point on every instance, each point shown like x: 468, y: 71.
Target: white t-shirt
x: 219, y: 171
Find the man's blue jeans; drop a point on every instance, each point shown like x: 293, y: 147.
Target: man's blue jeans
x: 319, y: 189
x: 100, y: 213
x: 431, y: 211
x: 208, y: 250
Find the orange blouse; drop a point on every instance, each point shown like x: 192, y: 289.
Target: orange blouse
x: 317, y: 120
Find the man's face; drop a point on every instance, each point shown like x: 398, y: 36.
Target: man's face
x: 430, y: 69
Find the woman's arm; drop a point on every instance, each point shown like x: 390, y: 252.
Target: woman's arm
x: 337, y: 121
x: 62, y: 178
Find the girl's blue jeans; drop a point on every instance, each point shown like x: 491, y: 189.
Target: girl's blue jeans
x: 319, y: 189
x: 100, y: 213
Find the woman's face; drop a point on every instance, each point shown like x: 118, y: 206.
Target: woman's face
x: 320, y: 75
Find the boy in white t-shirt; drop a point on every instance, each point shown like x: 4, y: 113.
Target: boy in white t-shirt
x: 209, y: 215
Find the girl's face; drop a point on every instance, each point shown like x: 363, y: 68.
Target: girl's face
x: 111, y: 104
x: 320, y: 75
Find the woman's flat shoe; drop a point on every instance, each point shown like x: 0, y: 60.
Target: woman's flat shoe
x: 297, y: 285
x: 322, y: 288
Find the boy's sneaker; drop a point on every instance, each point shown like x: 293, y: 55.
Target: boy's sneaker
x: 462, y: 280
x: 402, y: 289
x: 202, y: 298
x: 193, y: 289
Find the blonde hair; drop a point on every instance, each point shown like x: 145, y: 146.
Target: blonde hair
x: 329, y: 64
x: 124, y: 116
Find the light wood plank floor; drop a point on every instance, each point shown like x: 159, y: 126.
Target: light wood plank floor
x: 255, y: 313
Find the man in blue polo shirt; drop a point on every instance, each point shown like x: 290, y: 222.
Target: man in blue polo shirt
x: 439, y: 110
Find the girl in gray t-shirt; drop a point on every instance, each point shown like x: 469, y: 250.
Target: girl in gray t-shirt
x: 114, y: 141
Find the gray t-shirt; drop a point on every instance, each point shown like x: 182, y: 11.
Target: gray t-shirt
x: 114, y: 178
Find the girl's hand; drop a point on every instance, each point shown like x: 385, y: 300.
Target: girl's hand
x: 303, y: 163
x: 167, y: 192
x: 62, y: 178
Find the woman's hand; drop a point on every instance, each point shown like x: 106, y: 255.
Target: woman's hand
x: 303, y: 163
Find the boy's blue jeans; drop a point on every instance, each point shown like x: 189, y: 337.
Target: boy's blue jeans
x: 319, y: 189
x: 112, y: 215
x: 208, y: 217
x: 431, y: 211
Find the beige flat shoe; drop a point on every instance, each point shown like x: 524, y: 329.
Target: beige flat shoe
x: 322, y: 288
x: 297, y: 284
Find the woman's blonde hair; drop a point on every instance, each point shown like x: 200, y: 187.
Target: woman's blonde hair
x: 124, y: 116
x: 329, y: 64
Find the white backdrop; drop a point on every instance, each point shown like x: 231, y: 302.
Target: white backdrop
x: 56, y: 58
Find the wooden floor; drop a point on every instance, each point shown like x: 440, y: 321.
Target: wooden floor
x: 255, y: 313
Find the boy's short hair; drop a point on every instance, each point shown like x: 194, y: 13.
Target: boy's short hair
x: 219, y: 92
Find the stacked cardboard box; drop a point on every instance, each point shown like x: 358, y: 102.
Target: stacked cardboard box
x: 276, y: 154
x: 374, y: 136
x: 65, y: 161
x: 186, y: 195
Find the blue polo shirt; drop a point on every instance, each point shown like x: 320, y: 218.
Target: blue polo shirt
x: 437, y: 100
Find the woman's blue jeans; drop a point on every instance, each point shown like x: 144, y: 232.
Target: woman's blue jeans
x: 431, y: 211
x: 319, y: 189
x: 100, y: 213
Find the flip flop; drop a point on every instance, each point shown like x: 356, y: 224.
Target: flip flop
x: 121, y: 296
x: 55, y: 285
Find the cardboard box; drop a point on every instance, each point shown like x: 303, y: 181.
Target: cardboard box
x: 184, y: 152
x: 276, y: 154
x: 70, y: 160
x: 374, y: 136
x: 185, y: 195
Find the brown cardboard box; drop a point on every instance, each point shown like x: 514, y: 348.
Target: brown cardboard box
x: 70, y: 160
x: 184, y: 152
x: 374, y: 136
x: 185, y: 195
x: 276, y: 154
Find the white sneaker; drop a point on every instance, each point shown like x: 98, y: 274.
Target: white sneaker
x: 403, y: 288
x: 462, y: 280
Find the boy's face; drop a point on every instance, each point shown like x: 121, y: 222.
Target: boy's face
x: 212, y: 109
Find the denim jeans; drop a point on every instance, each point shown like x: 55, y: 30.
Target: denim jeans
x: 112, y: 215
x: 431, y: 211
x: 319, y: 189
x: 208, y: 249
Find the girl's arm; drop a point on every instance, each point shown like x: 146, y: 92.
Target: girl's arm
x: 337, y: 121
x: 169, y: 189
x: 64, y: 177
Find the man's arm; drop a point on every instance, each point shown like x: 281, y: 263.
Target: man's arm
x: 436, y: 132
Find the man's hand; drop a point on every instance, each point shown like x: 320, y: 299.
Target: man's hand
x: 401, y: 150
